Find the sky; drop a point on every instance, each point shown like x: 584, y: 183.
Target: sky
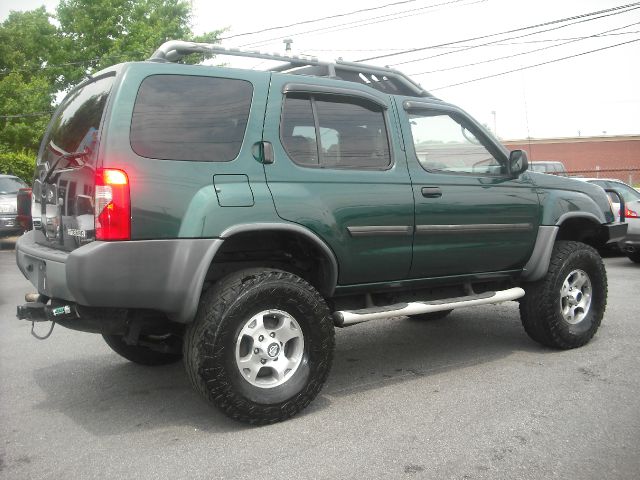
x: 592, y: 94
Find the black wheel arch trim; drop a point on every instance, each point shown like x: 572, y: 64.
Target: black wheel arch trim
x: 332, y: 278
x: 538, y: 263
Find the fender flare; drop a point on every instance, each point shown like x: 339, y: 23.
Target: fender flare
x: 190, y: 306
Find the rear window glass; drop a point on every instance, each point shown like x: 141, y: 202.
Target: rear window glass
x: 76, y: 124
x: 11, y: 185
x: 179, y: 117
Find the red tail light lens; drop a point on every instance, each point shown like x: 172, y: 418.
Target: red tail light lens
x: 629, y: 213
x: 112, y: 205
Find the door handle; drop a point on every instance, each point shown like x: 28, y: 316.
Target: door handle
x: 431, y: 192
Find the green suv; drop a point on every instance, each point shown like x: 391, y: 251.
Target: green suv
x: 233, y: 218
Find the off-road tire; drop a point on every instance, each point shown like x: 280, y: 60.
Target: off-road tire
x: 431, y: 316
x: 540, y: 308
x: 139, y: 353
x: 634, y: 256
x: 209, y: 344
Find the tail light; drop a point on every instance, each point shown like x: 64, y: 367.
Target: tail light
x: 112, y: 205
x: 24, y: 208
x: 628, y: 213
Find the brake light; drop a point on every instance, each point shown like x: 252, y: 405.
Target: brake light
x: 628, y: 213
x: 112, y: 205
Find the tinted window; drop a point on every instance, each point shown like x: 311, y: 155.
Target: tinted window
x: 351, y: 132
x: 444, y: 144
x: 179, y: 117
x: 299, y: 131
x: 75, y: 127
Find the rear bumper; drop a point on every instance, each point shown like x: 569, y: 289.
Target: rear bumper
x: 164, y: 275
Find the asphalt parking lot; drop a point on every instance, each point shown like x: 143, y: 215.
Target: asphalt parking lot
x: 467, y: 397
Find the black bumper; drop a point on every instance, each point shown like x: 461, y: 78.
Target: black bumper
x: 613, y: 232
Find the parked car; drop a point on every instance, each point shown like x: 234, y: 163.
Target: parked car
x: 9, y: 187
x: 555, y: 168
x: 236, y: 217
x: 630, y: 244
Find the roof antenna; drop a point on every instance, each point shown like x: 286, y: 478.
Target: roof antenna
x: 287, y: 42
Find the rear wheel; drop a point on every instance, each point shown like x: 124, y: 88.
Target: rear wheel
x: 144, y: 353
x: 261, y: 346
x: 565, y: 308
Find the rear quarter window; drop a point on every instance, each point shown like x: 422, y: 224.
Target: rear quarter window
x: 179, y: 117
x: 75, y: 126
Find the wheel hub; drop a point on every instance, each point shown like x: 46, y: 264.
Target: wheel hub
x: 575, y: 296
x: 269, y: 348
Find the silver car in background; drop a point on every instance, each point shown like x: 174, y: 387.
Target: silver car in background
x: 9, y: 187
x: 630, y: 245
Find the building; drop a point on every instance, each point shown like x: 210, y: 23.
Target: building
x: 606, y: 156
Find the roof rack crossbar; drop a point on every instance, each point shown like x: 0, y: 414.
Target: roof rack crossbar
x: 174, y: 50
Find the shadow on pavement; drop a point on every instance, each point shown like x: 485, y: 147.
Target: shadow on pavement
x: 107, y: 395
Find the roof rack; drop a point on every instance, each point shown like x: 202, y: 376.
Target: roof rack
x: 384, y: 79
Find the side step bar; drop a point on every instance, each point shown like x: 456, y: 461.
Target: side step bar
x: 350, y: 317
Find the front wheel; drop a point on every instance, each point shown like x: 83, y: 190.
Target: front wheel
x: 261, y: 345
x: 564, y: 309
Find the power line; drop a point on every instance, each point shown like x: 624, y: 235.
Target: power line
x: 584, y: 20
x: 524, y: 53
x: 354, y: 23
x: 418, y: 49
x: 499, y: 43
x: 25, y: 115
x: 315, y: 20
x: 533, y: 66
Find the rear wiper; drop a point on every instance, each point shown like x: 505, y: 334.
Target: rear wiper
x: 66, y: 156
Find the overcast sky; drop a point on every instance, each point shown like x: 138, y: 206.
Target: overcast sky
x: 586, y: 95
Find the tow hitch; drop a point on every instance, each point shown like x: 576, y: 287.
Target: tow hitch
x: 37, y: 310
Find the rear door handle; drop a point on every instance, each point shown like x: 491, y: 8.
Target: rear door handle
x: 431, y: 192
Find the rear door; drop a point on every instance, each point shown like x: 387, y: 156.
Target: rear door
x: 471, y: 217
x: 63, y: 189
x: 339, y: 171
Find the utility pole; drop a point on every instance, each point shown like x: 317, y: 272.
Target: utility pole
x: 495, y: 127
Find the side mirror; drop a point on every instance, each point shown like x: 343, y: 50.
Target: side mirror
x: 518, y: 162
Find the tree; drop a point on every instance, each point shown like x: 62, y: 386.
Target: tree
x: 100, y: 33
x: 38, y: 59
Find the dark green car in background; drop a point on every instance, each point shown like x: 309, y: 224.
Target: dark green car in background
x: 235, y: 217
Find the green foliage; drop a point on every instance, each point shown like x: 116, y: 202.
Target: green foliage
x: 21, y: 164
x: 39, y: 59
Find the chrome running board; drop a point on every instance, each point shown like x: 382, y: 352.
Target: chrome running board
x: 350, y: 317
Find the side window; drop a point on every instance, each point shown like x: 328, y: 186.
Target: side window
x: 335, y: 132
x: 444, y: 144
x: 299, y: 131
x: 182, y: 117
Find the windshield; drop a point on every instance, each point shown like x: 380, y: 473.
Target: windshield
x: 628, y: 193
x: 538, y: 167
x: 11, y: 185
